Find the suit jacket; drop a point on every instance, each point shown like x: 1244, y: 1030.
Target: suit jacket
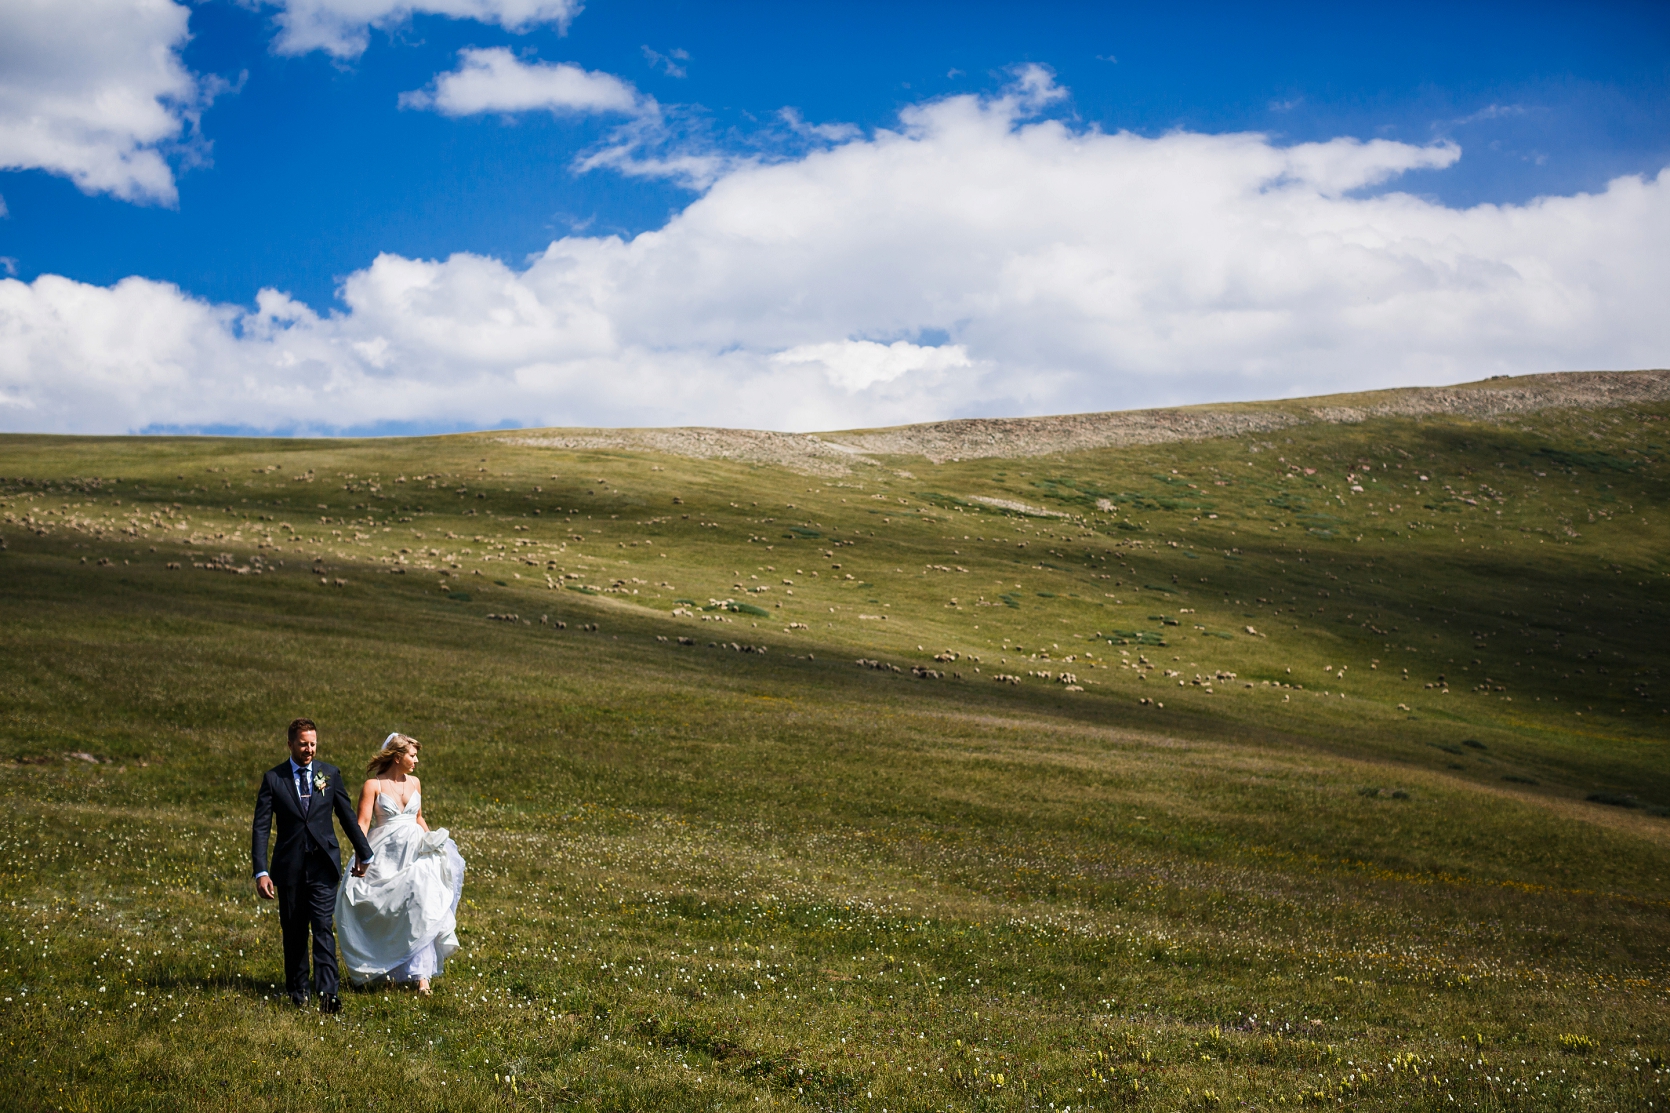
x: 299, y: 833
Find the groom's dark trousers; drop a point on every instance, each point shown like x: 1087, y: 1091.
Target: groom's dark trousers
x: 306, y: 868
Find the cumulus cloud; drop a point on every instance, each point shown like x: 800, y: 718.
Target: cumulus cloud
x: 495, y: 80
x: 94, y: 90
x: 341, y: 28
x: 1065, y: 269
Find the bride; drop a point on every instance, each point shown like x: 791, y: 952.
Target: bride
x: 398, y: 921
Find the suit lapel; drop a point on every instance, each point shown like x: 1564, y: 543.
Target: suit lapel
x: 322, y: 796
x: 287, y: 788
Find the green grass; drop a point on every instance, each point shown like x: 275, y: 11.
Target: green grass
x: 701, y: 877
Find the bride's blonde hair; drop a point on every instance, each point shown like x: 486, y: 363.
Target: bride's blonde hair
x: 393, y: 746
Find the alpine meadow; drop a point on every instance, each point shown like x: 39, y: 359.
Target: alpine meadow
x: 1247, y: 756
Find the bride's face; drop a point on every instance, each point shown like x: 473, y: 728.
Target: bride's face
x: 408, y: 761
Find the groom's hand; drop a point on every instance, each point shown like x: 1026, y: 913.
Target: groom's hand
x: 359, y: 868
x: 264, y: 888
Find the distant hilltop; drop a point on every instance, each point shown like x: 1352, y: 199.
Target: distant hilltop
x: 838, y: 452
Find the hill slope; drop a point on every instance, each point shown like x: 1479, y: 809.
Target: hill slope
x: 1199, y: 763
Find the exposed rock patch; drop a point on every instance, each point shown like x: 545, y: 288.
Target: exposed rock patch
x: 1017, y: 506
x: 803, y: 452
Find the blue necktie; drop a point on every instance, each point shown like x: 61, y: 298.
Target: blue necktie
x: 306, y: 789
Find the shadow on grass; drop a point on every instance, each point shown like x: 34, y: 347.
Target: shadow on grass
x: 783, y: 1071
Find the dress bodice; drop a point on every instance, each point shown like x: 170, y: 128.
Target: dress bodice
x: 388, y: 810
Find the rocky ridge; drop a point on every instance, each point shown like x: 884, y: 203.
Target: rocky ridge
x: 837, y: 453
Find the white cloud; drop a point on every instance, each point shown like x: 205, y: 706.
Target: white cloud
x: 670, y: 63
x: 826, y: 133
x: 1490, y: 112
x: 94, y: 90
x: 1066, y: 269
x: 663, y: 144
x: 1032, y: 89
x: 341, y: 27
x: 1344, y: 165
x: 856, y: 364
x: 654, y: 141
x: 668, y: 142
x: 495, y: 80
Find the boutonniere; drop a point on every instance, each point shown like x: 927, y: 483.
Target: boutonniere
x: 320, y: 781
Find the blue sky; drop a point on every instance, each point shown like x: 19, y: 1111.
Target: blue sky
x: 294, y: 165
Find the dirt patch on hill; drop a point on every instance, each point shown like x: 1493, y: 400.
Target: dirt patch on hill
x: 838, y: 453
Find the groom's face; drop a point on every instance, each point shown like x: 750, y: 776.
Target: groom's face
x: 304, y: 747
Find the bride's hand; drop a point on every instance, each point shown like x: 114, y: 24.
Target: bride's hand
x: 359, y: 868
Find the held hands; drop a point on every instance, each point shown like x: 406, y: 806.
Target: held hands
x: 359, y: 868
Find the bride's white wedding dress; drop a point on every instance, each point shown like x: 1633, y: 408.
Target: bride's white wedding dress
x: 399, y: 920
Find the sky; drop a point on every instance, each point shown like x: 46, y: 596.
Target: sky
x: 377, y: 217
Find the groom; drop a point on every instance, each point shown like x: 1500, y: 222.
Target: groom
x: 307, y: 863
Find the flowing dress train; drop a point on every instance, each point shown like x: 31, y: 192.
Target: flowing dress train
x: 399, y: 921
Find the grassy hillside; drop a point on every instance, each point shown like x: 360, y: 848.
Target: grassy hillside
x: 1313, y: 766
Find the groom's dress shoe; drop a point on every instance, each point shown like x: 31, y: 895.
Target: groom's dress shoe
x: 330, y: 1003
x: 299, y: 1000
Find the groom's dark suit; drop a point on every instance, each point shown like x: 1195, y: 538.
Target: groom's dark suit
x: 306, y: 866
